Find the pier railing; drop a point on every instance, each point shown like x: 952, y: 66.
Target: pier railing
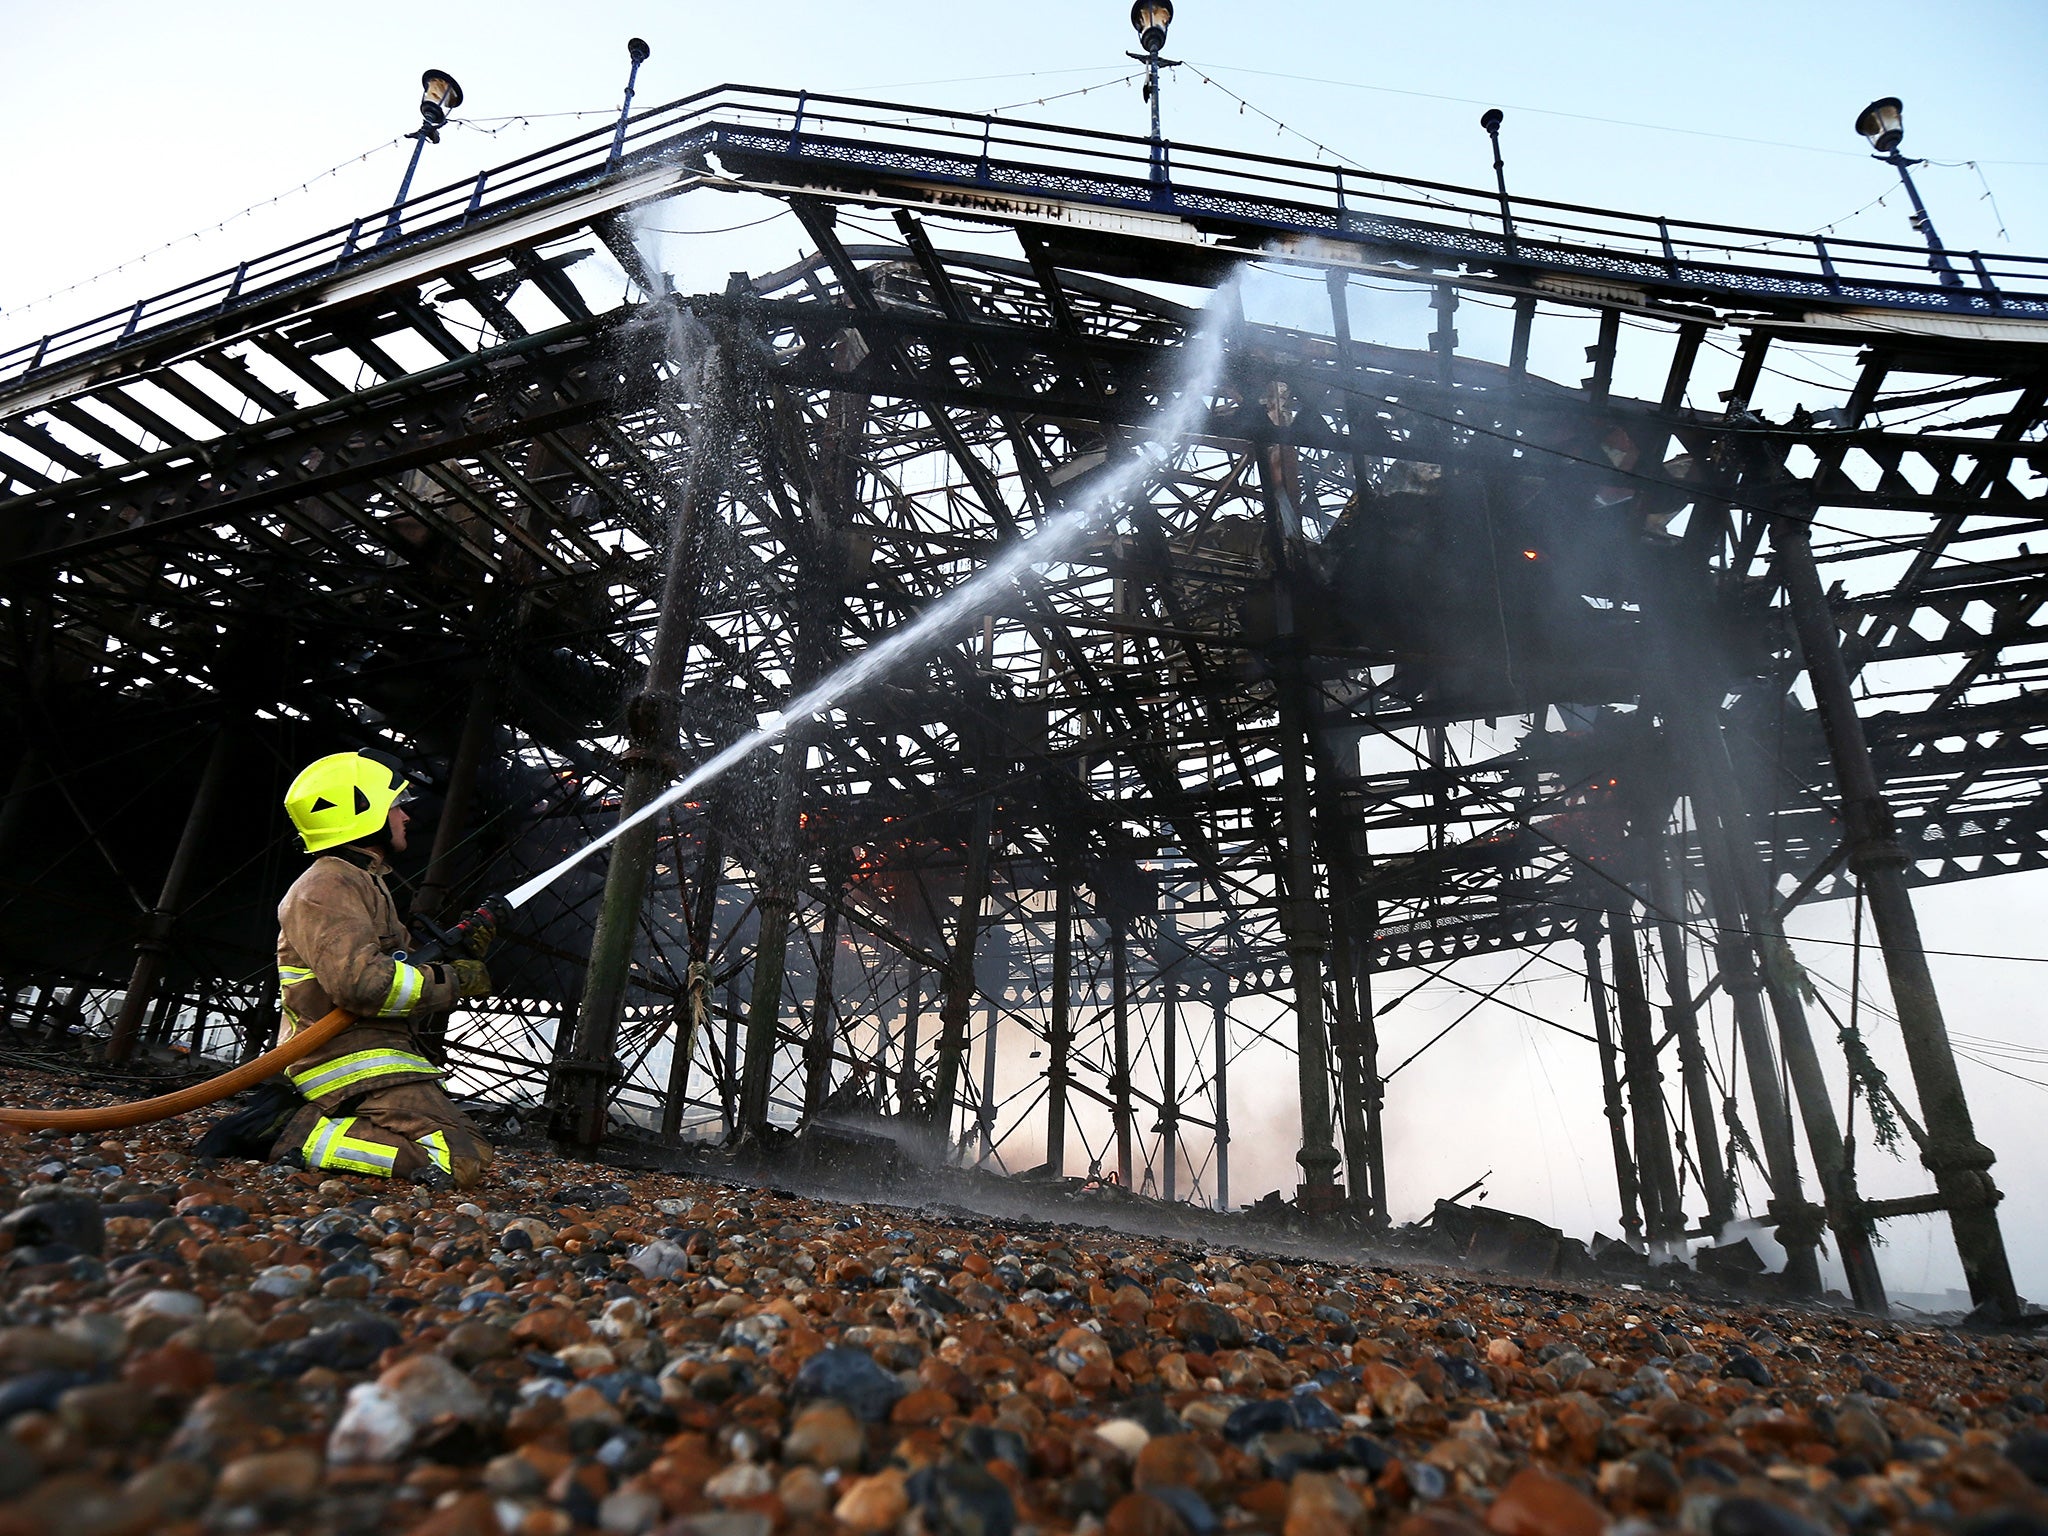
x: 777, y: 139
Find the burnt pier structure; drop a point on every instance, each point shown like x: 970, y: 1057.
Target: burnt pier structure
x: 1411, y: 651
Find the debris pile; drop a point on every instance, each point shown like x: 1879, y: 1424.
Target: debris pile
x: 193, y: 1347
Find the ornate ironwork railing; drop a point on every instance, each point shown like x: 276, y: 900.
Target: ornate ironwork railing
x: 779, y: 139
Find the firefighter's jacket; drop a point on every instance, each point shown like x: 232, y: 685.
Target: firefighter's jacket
x: 340, y: 945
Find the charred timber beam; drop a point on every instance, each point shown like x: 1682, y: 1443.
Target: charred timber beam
x: 379, y: 405
x: 200, y: 504
x: 2022, y: 418
x: 925, y: 388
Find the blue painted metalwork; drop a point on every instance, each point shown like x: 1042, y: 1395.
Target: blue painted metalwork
x: 1010, y: 169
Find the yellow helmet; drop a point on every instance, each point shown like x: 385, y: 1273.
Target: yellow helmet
x: 345, y: 797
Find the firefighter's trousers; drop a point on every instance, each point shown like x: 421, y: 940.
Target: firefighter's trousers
x: 390, y: 1133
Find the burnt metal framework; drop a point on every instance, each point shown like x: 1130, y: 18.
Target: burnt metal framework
x: 494, y: 493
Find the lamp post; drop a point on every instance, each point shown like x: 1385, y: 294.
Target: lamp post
x: 1150, y: 19
x: 637, y: 51
x: 1490, y: 120
x: 439, y: 96
x: 1883, y: 123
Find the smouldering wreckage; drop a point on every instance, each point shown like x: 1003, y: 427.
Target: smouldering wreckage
x: 1191, y: 786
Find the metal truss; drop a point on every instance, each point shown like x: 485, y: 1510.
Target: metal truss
x: 1404, y: 655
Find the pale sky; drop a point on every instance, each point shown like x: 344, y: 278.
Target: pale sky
x: 131, y: 126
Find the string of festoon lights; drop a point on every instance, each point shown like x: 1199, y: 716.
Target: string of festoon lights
x: 476, y: 125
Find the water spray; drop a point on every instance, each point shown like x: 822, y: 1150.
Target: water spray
x: 1054, y: 538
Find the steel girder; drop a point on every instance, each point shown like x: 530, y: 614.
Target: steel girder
x: 466, y: 463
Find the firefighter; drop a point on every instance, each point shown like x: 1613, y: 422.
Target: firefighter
x: 374, y: 1104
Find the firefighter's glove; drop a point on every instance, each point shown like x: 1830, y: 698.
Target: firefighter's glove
x: 470, y: 977
x: 482, y: 935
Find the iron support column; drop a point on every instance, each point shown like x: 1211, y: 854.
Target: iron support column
x: 1663, y: 1215
x: 1301, y: 916
x: 685, y: 1017
x: 1683, y: 1022
x: 1797, y: 1232
x: 1751, y: 891
x: 1375, y: 1088
x: 1817, y: 1114
x: 1610, y: 1087
x: 259, y: 1032
x: 696, y: 1011
x: 729, y: 1077
x: 957, y: 998
x: 584, y: 1091
x: 562, y: 1049
x: 775, y: 903
x: 1301, y: 920
x: 1120, y: 1043
x: 1169, y: 1064
x: 1692, y: 715
x: 689, y: 1018
x: 1345, y: 957
x: 824, y: 1032
x: 154, y: 947
x: 1960, y: 1163
x: 1060, y: 1027
x: 478, y: 724
x: 1362, y: 915
x: 195, y: 1042
x: 906, y: 1069
x: 985, y: 1118
x: 26, y: 770
x: 159, y: 1027
x: 1219, y: 1009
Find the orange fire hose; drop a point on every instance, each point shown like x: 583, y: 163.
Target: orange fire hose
x: 118, y: 1117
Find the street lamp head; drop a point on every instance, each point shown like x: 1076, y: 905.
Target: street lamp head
x: 637, y: 51
x: 439, y: 96
x: 1883, y: 123
x: 1150, y: 19
x: 1491, y: 119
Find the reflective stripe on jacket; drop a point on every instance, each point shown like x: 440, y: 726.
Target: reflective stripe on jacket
x: 357, y: 1070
